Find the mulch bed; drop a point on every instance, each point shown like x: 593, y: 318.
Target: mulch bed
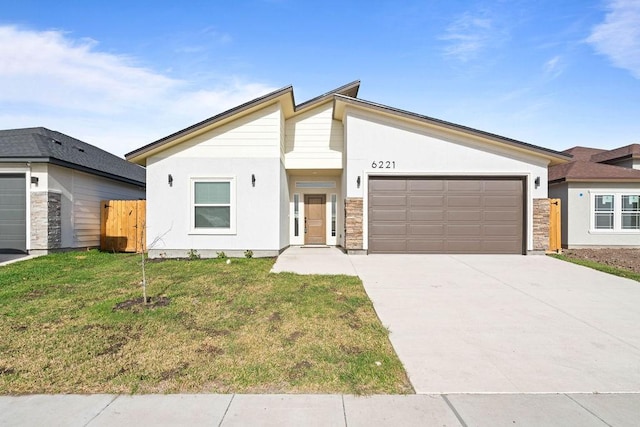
x: 627, y: 259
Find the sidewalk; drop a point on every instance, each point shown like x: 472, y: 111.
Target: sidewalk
x: 322, y: 410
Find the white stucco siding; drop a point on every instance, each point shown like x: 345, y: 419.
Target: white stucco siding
x: 257, y: 209
x: 313, y: 140
x: 80, y: 208
x: 579, y: 231
x: 408, y: 149
x: 255, y: 135
x: 284, y: 207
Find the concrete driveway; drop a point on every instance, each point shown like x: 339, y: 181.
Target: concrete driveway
x: 506, y: 324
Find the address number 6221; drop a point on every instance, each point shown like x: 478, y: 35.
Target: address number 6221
x: 383, y: 164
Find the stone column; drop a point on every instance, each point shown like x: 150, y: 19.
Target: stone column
x: 46, y: 220
x: 353, y: 224
x: 541, y: 209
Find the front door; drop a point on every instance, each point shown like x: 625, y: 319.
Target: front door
x: 315, y: 230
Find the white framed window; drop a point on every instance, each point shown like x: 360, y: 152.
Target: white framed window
x: 296, y: 214
x: 213, y: 205
x: 630, y: 216
x: 334, y: 216
x: 615, y: 212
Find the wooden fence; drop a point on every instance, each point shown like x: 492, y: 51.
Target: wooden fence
x: 122, y: 225
x: 555, y: 222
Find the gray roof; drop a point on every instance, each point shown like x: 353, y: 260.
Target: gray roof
x: 44, y: 145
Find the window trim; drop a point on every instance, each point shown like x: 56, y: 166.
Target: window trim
x: 232, y: 205
x: 617, y: 212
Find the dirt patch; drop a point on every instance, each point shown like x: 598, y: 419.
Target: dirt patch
x: 291, y: 339
x: 7, y: 371
x: 627, y: 259
x: 299, y: 370
x: 137, y: 304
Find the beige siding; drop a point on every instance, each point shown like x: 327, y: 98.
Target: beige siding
x: 256, y: 135
x: 314, y: 140
x: 80, y: 204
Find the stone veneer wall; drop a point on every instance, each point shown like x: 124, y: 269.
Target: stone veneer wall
x: 46, y: 220
x: 541, y: 208
x: 353, y: 223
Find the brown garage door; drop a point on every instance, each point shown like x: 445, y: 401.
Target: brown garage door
x: 445, y: 215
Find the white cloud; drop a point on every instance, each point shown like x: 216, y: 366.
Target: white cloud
x: 467, y: 36
x: 618, y: 37
x: 553, y: 68
x: 47, y: 78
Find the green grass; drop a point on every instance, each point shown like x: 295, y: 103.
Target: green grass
x: 600, y: 267
x: 227, y: 328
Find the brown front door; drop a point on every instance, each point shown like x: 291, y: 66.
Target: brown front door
x: 315, y: 230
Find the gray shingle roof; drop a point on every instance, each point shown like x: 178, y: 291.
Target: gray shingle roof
x: 44, y: 145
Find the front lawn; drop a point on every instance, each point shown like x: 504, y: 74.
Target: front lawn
x: 66, y: 327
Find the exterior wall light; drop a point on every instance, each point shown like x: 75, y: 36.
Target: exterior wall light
x: 358, y: 182
x: 537, y: 182
x: 253, y: 180
x: 170, y: 179
x: 35, y: 180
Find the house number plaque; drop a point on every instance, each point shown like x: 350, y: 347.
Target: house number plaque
x: 383, y: 164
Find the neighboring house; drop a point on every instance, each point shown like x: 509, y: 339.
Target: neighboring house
x: 600, y: 195
x: 337, y: 170
x: 51, y: 186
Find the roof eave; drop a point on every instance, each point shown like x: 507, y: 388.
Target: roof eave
x: 349, y: 90
x: 340, y: 103
x: 74, y: 166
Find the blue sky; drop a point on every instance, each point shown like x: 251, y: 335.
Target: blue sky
x: 121, y: 74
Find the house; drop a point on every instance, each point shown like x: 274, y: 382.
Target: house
x: 600, y: 195
x: 51, y: 186
x: 338, y: 170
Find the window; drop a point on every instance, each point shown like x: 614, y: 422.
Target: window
x: 617, y: 212
x: 334, y: 208
x: 296, y: 215
x: 213, y: 205
x: 631, y: 212
x: 604, y: 212
x: 315, y: 184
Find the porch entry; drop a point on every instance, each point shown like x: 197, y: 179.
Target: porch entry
x: 315, y: 229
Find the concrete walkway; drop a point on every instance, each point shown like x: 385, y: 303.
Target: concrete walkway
x: 494, y: 410
x: 314, y: 260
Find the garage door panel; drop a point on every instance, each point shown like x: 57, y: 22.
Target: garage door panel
x: 467, y: 246
x: 475, y: 215
x: 400, y: 201
x: 469, y: 215
x: 501, y: 230
x: 502, y: 185
x: 430, y: 201
x: 388, y: 185
x: 423, y: 246
x: 502, y: 201
x: 464, y: 230
x: 512, y: 216
x: 426, y: 185
x: 426, y: 215
x: 389, y: 215
x: 500, y: 247
x: 388, y: 245
x: 424, y: 229
x: 389, y: 230
x: 464, y: 201
x: 464, y: 185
